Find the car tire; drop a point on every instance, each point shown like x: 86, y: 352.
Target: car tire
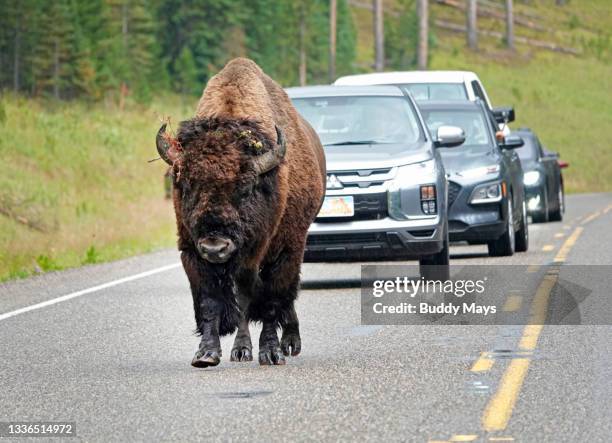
x: 542, y: 216
x: 436, y: 267
x: 522, y: 235
x: 557, y: 214
x: 504, y: 245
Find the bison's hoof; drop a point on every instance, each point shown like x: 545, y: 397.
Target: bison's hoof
x: 204, y: 359
x: 291, y: 344
x: 271, y: 356
x: 241, y: 354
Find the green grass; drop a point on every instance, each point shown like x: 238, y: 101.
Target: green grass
x: 566, y: 99
x: 76, y: 186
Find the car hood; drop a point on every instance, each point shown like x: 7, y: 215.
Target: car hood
x: 457, y: 160
x: 376, y: 156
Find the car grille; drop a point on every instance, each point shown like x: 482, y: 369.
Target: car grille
x: 363, y: 178
x: 367, y: 207
x: 343, y: 239
x: 453, y: 192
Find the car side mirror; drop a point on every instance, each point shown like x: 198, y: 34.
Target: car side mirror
x: 504, y: 114
x: 449, y: 137
x: 512, y: 142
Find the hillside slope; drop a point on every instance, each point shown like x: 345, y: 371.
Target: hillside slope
x: 77, y: 187
x: 565, y: 98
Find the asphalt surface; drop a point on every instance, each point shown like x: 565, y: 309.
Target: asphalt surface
x: 115, y: 359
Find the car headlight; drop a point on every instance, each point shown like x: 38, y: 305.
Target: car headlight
x: 531, y: 177
x: 412, y: 193
x: 479, y: 172
x: 487, y: 193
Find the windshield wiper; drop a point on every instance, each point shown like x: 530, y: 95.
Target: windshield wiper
x: 353, y: 142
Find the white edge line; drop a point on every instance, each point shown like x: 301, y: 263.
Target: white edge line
x: 72, y: 295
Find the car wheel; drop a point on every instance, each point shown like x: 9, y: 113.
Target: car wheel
x: 504, y: 245
x: 542, y: 216
x: 557, y: 214
x: 522, y: 235
x: 436, y: 267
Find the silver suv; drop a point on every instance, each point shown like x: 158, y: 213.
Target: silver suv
x: 386, y: 186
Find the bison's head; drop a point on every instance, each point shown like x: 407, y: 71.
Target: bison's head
x: 225, y: 184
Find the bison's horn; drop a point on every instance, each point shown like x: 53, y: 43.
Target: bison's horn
x: 273, y: 157
x: 164, y: 149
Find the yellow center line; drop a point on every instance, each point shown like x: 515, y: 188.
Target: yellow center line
x: 548, y: 248
x: 559, y: 234
x: 483, y: 364
x: 568, y: 244
x: 608, y: 209
x: 590, y: 218
x: 498, y: 411
x: 533, y: 268
x: 513, y: 303
x: 462, y: 437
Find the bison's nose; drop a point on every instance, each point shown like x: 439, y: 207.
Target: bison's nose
x: 216, y: 249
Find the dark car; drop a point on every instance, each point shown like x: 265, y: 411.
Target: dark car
x: 542, y: 179
x: 485, y: 179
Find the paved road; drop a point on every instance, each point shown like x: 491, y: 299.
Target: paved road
x: 113, y: 355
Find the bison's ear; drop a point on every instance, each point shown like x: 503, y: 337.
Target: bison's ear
x: 166, y: 150
x: 273, y: 157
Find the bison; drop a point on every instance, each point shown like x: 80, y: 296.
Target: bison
x: 248, y: 178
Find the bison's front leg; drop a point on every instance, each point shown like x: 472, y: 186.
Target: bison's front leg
x: 269, y: 346
x: 209, y: 351
x: 207, y: 314
x: 243, y: 348
x: 291, y: 344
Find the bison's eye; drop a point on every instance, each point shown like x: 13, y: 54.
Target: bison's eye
x: 245, y: 189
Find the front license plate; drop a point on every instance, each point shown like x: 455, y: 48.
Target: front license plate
x: 341, y: 206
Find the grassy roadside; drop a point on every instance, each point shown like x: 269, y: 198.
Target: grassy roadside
x: 76, y: 186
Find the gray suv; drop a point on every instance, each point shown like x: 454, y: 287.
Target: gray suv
x: 386, y: 194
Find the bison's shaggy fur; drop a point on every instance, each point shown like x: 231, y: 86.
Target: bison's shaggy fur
x: 220, y: 193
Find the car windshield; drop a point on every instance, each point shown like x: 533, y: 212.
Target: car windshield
x: 528, y: 150
x: 360, y: 119
x: 437, y: 91
x: 472, y: 122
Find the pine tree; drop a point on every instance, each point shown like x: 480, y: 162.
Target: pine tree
x: 129, y: 48
x: 54, y: 51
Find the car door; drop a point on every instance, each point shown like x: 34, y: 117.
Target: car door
x: 549, y: 164
x: 512, y: 163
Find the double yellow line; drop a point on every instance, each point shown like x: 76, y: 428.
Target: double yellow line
x: 499, y: 409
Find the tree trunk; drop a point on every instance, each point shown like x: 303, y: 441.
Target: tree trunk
x: 509, y: 24
x: 423, y: 37
x: 17, y: 50
x: 56, y: 70
x: 332, y: 39
x: 124, y: 23
x: 379, y: 42
x: 302, y: 68
x: 472, y: 35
